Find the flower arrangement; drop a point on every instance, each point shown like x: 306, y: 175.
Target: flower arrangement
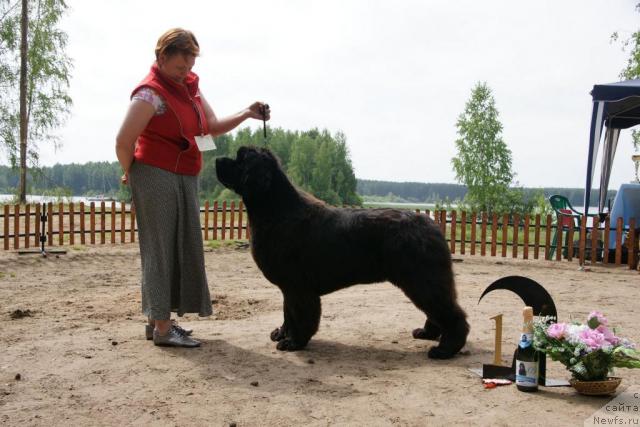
x: 588, y: 350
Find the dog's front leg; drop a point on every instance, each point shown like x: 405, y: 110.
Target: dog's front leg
x: 301, y: 320
x: 278, y: 334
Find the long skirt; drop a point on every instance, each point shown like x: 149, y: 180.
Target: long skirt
x: 171, y: 250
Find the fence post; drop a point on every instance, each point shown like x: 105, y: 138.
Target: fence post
x: 619, y: 226
x: 463, y: 232
x: 483, y: 235
x: 232, y: 219
x: 547, y: 238
x: 525, y: 249
x: 113, y: 222
x: 6, y: 227
x: 92, y: 222
x: 570, y: 247
x: 536, y: 238
x: 71, y: 224
x: 103, y: 222
x: 215, y: 220
x: 36, y: 239
x: 16, y: 226
x: 474, y: 220
x: 83, y: 226
x: 453, y: 231
x: 595, y: 229
x: 583, y: 239
x: 61, y: 224
x: 494, y: 234
x: 206, y: 220
x: 224, y: 219
x: 240, y: 209
x: 50, y: 219
x: 122, y: 222
x: 132, y: 221
x: 505, y: 230
x: 516, y: 241
x: 559, y: 241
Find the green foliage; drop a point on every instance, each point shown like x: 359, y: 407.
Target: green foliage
x: 483, y: 162
x: 316, y: 161
x: 625, y: 357
x: 414, y: 192
x: 48, y: 73
x: 632, y: 69
x: 441, y: 194
x: 72, y: 179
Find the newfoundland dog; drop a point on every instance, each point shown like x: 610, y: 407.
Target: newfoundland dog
x: 309, y: 249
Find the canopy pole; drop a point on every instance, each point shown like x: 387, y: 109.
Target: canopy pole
x: 594, y: 142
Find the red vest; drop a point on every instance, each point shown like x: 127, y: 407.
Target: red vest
x: 168, y: 140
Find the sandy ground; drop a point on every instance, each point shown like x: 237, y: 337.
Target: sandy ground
x: 82, y: 358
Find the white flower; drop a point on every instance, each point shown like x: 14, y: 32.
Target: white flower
x: 628, y: 344
x: 573, y: 333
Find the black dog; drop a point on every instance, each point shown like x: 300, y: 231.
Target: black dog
x: 309, y: 249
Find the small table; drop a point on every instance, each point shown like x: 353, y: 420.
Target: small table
x: 625, y: 205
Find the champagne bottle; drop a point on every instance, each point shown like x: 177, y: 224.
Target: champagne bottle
x: 527, y: 358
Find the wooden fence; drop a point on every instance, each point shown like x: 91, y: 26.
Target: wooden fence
x: 528, y: 237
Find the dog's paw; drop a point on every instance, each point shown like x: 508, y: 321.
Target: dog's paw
x: 426, y: 334
x: 287, y: 344
x: 277, y: 334
x: 440, y: 353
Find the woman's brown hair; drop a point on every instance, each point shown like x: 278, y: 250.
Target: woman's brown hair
x: 177, y: 40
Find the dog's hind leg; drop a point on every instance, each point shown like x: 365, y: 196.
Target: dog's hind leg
x: 278, y: 334
x: 431, y: 331
x: 454, y: 326
x: 302, y: 318
x: 437, y: 300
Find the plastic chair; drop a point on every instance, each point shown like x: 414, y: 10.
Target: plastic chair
x: 566, y: 217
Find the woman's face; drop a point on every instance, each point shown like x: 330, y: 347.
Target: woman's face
x: 177, y: 66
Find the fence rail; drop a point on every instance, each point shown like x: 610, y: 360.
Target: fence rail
x: 528, y: 237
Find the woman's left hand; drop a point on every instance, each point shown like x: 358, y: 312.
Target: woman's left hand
x: 259, y: 111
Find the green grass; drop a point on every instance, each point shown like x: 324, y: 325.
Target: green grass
x: 421, y: 206
x: 216, y: 244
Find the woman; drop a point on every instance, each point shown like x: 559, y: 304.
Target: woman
x: 157, y: 147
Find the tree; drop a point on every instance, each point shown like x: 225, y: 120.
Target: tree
x: 632, y: 69
x: 40, y: 66
x: 483, y: 162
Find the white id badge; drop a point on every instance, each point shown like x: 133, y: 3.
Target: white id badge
x: 205, y: 142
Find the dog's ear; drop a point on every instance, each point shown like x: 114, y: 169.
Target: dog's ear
x: 256, y: 179
x: 268, y: 153
x: 241, y: 153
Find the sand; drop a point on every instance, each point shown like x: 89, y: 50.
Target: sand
x: 78, y: 356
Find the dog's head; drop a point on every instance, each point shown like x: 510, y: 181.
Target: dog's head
x: 251, y: 173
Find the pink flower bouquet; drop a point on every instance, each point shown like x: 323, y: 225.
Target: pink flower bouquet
x: 588, y: 350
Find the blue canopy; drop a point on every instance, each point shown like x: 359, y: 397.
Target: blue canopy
x: 616, y: 106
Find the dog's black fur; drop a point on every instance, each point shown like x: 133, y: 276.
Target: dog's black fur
x: 309, y: 249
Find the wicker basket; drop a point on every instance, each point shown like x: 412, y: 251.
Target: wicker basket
x: 596, y: 388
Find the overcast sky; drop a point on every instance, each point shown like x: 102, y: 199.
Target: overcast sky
x: 392, y: 75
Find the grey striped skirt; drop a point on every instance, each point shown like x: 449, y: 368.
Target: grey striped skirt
x: 168, y: 216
